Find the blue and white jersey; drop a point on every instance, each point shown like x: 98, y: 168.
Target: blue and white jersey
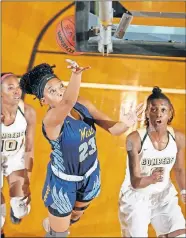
x: 75, y: 151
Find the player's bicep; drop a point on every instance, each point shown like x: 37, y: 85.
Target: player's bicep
x: 180, y: 160
x: 180, y: 156
x: 134, y: 165
x: 133, y: 147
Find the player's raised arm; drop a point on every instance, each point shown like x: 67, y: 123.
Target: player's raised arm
x: 56, y: 115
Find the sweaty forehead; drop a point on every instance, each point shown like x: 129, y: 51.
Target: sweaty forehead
x: 159, y: 102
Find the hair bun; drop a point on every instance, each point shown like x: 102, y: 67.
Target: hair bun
x: 156, y: 90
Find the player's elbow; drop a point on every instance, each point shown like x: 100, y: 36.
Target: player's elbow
x: 135, y: 182
x: 134, y: 185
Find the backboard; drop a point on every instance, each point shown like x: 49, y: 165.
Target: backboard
x: 107, y: 27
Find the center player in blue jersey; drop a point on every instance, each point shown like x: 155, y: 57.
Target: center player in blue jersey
x: 73, y: 174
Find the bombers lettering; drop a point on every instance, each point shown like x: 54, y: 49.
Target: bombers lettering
x: 12, y: 135
x: 157, y: 161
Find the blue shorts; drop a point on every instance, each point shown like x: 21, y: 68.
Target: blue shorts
x: 60, y: 195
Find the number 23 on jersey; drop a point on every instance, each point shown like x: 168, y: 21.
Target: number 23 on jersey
x: 87, y: 148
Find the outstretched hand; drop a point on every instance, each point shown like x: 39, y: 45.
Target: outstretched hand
x: 134, y: 115
x: 75, y: 67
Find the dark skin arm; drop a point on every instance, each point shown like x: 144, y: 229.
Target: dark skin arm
x: 30, y: 116
x: 101, y: 119
x: 179, y: 166
x: 55, y: 117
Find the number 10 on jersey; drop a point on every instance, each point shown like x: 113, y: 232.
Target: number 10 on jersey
x: 8, y: 145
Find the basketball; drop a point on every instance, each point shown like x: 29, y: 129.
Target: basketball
x: 65, y: 35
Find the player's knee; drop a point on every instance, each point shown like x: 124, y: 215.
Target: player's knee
x: 53, y: 233
x: 19, y: 206
x: 77, y: 213
x: 76, y: 216
x: 20, y: 187
x: 3, y: 214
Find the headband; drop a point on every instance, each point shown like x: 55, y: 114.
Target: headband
x: 5, y: 76
x: 39, y: 89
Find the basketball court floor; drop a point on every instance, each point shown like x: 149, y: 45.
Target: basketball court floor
x: 105, y: 85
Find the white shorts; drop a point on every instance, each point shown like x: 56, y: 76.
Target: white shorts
x: 137, y: 211
x: 12, y: 164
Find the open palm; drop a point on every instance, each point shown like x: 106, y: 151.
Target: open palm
x: 133, y: 115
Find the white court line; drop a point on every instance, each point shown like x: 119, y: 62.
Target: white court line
x: 128, y: 88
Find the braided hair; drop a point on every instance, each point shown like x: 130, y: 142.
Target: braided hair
x: 157, y: 94
x: 34, y: 81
